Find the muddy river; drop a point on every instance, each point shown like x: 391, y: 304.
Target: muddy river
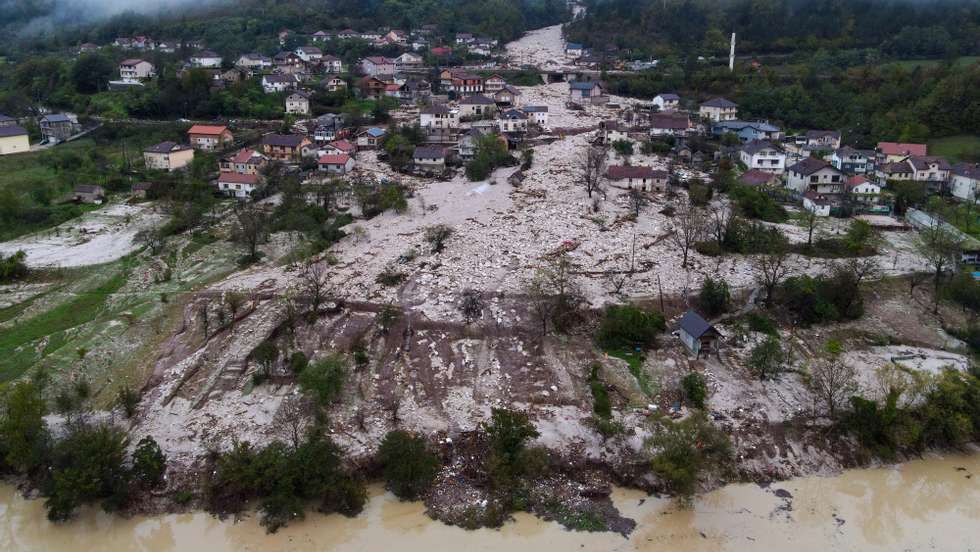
x: 931, y: 504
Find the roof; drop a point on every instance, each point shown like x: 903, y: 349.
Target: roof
x: 309, y: 50
x: 922, y: 162
x: 287, y: 140
x: 375, y: 132
x: 895, y: 167
x: 436, y: 109
x: 755, y: 177
x: 166, y: 147
x: 755, y: 146
x: 899, y: 148
x: 477, y: 99
x: 342, y: 145
x: 425, y: 152
x: 244, y: 156
x: 206, y: 54
x: 695, y: 326
x: 238, y: 178
x: 299, y: 93
x: 131, y: 61
x: 816, y: 134
x: 142, y: 186
x: 621, y: 172
x: 6, y: 118
x: 583, y: 85
x: 573, y: 46
x: 535, y: 109
x: 668, y: 121
x: 378, y: 60
x: 12, y: 130
x: 967, y: 170
x: 514, y: 114
x: 720, y: 102
x: 811, y: 165
x: 215, y: 130
x: 334, y: 159
x: 820, y: 199
x: 760, y: 126
x: 669, y: 96
x: 277, y: 78
x: 856, y: 180
x: 56, y: 118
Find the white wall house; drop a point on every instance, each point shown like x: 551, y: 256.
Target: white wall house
x: 719, y: 109
x: 965, y: 181
x: 814, y: 175
x: 667, y: 102
x: 763, y: 156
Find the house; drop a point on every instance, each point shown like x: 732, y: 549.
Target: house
x: 283, y: 60
x: 817, y: 175
x: 88, y: 193
x: 348, y: 34
x: 377, y: 65
x: 537, y: 113
x: 7, y: 120
x: 284, y: 147
x: 584, y: 91
x: 482, y: 47
x: 965, y: 178
x: 13, y: 139
x: 897, y: 171
x: 853, y: 161
x: 395, y: 36
x: 238, y: 185
x: 408, y: 60
x: 59, y: 127
x: 574, y: 50
x: 896, y: 151
x: 254, y: 61
x: 209, y: 137
x: 507, y: 96
x: 465, y: 83
x: 494, y: 84
x: 932, y: 169
x: 513, y: 120
x: 122, y: 42
x: 370, y: 138
x: 441, y: 51
x: 136, y: 69
x: 667, y: 102
x: 332, y: 64
x: 669, y: 124
x: 477, y: 106
x: 429, y: 159
x: 819, y: 204
x: 747, y: 131
x: 340, y: 147
x: 718, y: 109
x: 320, y: 36
x: 309, y: 54
x: 415, y: 89
x: 372, y: 87
x: 468, y: 143
x: 336, y: 163
x: 278, y: 83
x: 333, y: 83
x: 639, y: 178
x: 862, y: 190
x: 168, y: 156
x: 298, y: 103
x: 206, y: 58
x: 763, y: 156
x: 822, y: 139
x: 613, y: 131
x: 759, y: 179
x: 697, y: 334
x: 464, y: 38
x: 438, y: 116
x: 245, y: 161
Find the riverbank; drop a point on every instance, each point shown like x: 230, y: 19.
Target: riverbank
x: 924, y: 504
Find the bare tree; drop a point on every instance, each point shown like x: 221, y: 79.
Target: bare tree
x: 251, y: 229
x: 554, y: 293
x: 940, y: 247
x: 315, y: 280
x: 833, y: 382
x: 770, y: 269
x: 292, y: 418
x: 722, y: 217
x: 593, y: 169
x: 637, y: 200
x: 808, y: 219
x: 471, y: 305
x: 690, y: 224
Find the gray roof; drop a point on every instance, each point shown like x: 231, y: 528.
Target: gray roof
x: 165, y: 147
x: 477, y: 99
x: 967, y: 170
x: 513, y: 114
x: 425, y: 152
x: 582, y: 85
x: 6, y: 118
x: 56, y: 118
x: 12, y: 130
x: 694, y: 325
x: 669, y: 96
x: 88, y: 189
x: 287, y: 140
x: 756, y: 146
x: 719, y: 102
x: 535, y: 109
x: 811, y: 165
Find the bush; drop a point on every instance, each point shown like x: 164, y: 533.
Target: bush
x: 13, y: 267
x: 686, y: 449
x: 695, y: 389
x: 128, y: 399
x: 823, y: 299
x: 149, y: 462
x: 87, y: 466
x: 714, y: 296
x: 964, y: 290
x: 767, y: 358
x: 408, y: 466
x: 298, y: 362
x: 759, y: 322
x: 627, y: 326
x: 755, y: 204
x: 324, y: 380
x: 601, y: 404
x: 508, y: 433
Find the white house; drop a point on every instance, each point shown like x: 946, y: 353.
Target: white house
x: 431, y: 159
x: 136, y: 69
x: 237, y: 184
x: 298, y: 103
x: 278, y: 83
x: 763, y: 156
x: 818, y: 204
x: 377, y: 65
x: 669, y: 124
x: 538, y: 114
x: 640, y: 178
x: 852, y: 161
x: 667, y: 102
x: 965, y: 180
x: 930, y: 168
x: 337, y: 164
x: 408, y: 60
x: 206, y: 58
x: 816, y: 175
x: 863, y: 190
x: 254, y: 61
x: 309, y: 54
x: 332, y: 64
x: 581, y: 91
x: 719, y: 109
x: 477, y: 105
x: 439, y: 116
x: 574, y: 50
x: 823, y: 139
x: 513, y: 120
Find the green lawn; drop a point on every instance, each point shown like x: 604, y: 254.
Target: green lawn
x: 953, y: 148
x: 635, y: 361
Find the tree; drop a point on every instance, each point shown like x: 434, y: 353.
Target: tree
x: 833, y: 381
x: 695, y: 389
x: 941, y: 247
x: 628, y: 326
x: 471, y: 305
x: 508, y: 433
x: 316, y: 282
x: 437, y: 236
x: 770, y: 269
x: 324, y: 380
x: 86, y: 466
x: 554, y: 292
x: 623, y: 148
x: 688, y: 229
x: 685, y: 450
x: 714, y: 296
x: 149, y: 462
x: 291, y: 418
x: 593, y: 169
x: 24, y: 434
x: 91, y: 73
x: 251, y: 229
x: 408, y: 466
x: 808, y: 219
x: 767, y: 358
x: 637, y: 200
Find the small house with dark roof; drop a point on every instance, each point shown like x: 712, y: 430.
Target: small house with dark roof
x: 853, y: 161
x: 718, y: 109
x: 669, y: 124
x: 284, y: 147
x: 88, y: 193
x: 697, y: 334
x: 513, y: 120
x: 823, y: 139
x: 667, y: 101
x: 817, y: 175
x: 965, y: 181
x: 763, y: 156
x: 429, y: 159
x: 638, y: 177
x: 477, y: 105
x: 584, y: 91
x: 7, y: 120
x: 758, y: 179
x: 58, y: 127
x: 168, y: 156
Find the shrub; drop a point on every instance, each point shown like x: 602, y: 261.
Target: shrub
x: 627, y: 326
x: 767, y: 358
x: 755, y: 204
x: 714, y: 296
x: 508, y: 433
x: 324, y: 380
x: 601, y: 404
x: 964, y: 290
x: 149, y: 462
x: 695, y: 389
x: 759, y: 322
x: 298, y: 362
x: 408, y: 466
x: 128, y: 399
x: 87, y: 466
x: 13, y: 267
x: 686, y: 449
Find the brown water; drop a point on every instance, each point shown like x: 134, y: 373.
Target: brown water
x: 924, y: 505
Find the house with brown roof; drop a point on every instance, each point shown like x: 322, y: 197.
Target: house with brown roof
x: 284, y: 147
x: 245, y: 161
x: 812, y: 174
x: 337, y: 164
x: 377, y: 65
x: 931, y: 169
x: 168, y: 156
x: 494, y: 83
x: 372, y: 87
x: 88, y: 193
x: 891, y: 152
x: 136, y: 69
x: 758, y: 179
x: 638, y: 177
x: 896, y: 170
x: 862, y: 190
x: 238, y: 185
x: 209, y: 137
x: 669, y: 124
x: 429, y: 159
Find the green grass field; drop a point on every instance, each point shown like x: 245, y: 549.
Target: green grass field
x: 953, y: 148
x: 635, y: 361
